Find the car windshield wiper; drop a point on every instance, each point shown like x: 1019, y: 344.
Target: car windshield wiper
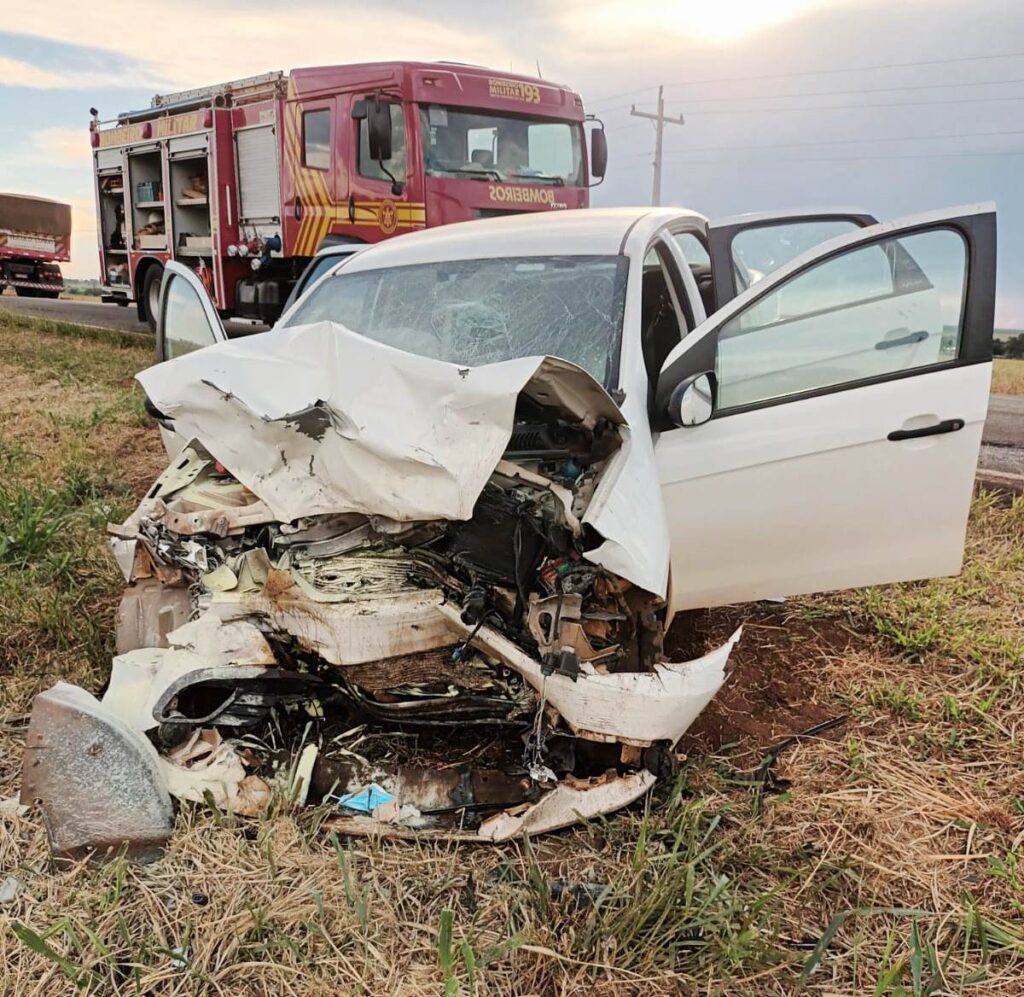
x: 543, y: 177
x: 480, y: 174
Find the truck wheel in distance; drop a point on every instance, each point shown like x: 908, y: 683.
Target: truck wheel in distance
x: 151, y: 293
x: 49, y: 294
x: 25, y: 292
x: 121, y: 302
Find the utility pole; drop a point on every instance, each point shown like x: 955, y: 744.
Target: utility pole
x: 660, y: 121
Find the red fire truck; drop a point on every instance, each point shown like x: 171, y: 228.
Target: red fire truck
x: 246, y: 180
x: 35, y: 236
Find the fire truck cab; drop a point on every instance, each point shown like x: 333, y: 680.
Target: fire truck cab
x: 245, y: 181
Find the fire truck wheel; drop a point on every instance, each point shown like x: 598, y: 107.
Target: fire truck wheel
x: 25, y: 292
x: 49, y: 294
x: 151, y: 293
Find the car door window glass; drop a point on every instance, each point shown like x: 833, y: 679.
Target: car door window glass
x: 316, y: 139
x: 879, y: 309
x: 186, y: 326
x: 369, y: 167
x: 319, y: 267
x: 759, y: 250
x: 694, y: 251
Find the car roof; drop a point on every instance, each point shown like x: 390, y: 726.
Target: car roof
x: 573, y: 232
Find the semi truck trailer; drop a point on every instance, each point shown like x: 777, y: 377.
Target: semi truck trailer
x: 35, y: 237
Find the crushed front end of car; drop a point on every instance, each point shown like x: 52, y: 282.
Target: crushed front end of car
x: 430, y: 597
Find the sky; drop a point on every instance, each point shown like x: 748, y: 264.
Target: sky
x: 890, y: 107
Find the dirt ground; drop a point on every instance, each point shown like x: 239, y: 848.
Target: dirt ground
x: 877, y: 853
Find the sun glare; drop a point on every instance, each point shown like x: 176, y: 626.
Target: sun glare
x: 722, y: 20
x: 707, y: 20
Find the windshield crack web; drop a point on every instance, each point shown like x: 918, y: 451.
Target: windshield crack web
x: 476, y: 312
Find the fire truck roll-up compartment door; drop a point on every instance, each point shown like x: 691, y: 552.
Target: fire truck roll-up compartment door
x: 188, y: 145
x: 108, y: 159
x: 259, y: 181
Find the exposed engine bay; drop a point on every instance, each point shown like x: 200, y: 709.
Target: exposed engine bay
x: 484, y: 676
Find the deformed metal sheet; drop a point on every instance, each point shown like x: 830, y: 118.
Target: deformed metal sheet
x: 637, y: 707
x: 318, y: 420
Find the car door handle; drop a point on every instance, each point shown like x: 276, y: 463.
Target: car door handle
x: 946, y: 426
x: 906, y: 340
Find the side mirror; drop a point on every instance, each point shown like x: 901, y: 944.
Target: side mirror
x: 378, y: 129
x: 598, y: 152
x: 692, y: 402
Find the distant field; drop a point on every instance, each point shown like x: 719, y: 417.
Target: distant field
x: 1007, y: 377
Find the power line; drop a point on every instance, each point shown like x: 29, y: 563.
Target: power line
x: 844, y: 93
x: 718, y: 161
x: 840, y: 141
x: 831, y: 107
x: 819, y: 72
x: 841, y: 107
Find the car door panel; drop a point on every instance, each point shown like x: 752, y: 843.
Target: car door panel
x: 186, y: 320
x: 859, y: 474
x: 837, y: 505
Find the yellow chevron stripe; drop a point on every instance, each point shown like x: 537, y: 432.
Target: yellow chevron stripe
x: 304, y: 236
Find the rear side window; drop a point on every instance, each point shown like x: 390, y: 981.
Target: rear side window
x: 316, y: 139
x: 759, y: 250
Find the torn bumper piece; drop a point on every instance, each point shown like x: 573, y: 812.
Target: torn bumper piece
x: 97, y: 781
x: 374, y: 570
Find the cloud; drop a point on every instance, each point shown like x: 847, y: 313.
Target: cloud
x: 63, y: 147
x: 179, y: 53
x: 17, y: 73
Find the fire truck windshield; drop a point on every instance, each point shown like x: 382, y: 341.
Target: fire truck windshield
x: 464, y: 143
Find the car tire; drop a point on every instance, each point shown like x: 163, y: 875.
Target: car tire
x: 151, y: 293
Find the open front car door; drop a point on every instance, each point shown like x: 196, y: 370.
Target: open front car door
x: 848, y: 391
x: 186, y: 320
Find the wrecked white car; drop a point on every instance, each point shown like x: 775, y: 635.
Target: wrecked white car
x: 417, y: 547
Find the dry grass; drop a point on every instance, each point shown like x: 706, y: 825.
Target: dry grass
x: 1007, y: 377
x: 883, y: 857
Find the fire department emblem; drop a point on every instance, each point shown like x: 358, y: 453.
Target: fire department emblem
x: 387, y: 217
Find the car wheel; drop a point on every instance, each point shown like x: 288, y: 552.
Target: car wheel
x: 151, y: 294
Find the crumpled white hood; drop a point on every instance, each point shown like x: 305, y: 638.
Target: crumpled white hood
x: 317, y: 419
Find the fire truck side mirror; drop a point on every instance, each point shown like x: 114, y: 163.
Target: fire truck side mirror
x: 598, y: 153
x: 378, y: 129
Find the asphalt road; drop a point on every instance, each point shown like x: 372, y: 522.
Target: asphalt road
x: 1005, y: 423
x: 82, y: 312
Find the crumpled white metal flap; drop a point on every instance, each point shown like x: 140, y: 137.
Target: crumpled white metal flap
x: 317, y: 419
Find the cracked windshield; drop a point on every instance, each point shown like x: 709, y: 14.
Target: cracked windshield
x: 481, y: 311
x: 500, y: 147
